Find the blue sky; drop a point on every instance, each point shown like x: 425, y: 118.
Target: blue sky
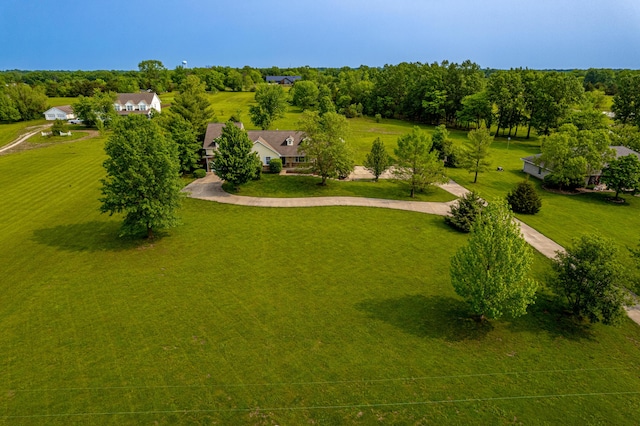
x: 118, y: 34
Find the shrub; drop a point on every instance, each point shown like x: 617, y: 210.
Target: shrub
x: 378, y: 117
x: 556, y: 181
x: 275, y: 165
x: 57, y: 127
x: 199, y: 173
x: 524, y: 198
x: 258, y: 165
x: 465, y: 212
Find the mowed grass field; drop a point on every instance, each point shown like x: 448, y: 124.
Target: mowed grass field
x: 270, y: 316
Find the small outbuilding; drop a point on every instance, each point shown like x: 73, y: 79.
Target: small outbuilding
x: 63, y: 112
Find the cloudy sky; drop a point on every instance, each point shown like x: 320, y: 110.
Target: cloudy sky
x: 118, y: 34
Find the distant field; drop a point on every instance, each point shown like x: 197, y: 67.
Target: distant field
x: 61, y: 101
x: 270, y: 316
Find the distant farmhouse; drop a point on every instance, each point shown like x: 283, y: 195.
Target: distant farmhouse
x: 268, y: 144
x: 64, y: 112
x: 538, y: 170
x: 137, y: 103
x: 285, y: 80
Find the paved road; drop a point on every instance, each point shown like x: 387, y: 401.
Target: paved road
x: 210, y: 188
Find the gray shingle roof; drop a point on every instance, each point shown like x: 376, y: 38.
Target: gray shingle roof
x: 275, y: 139
x: 135, y: 98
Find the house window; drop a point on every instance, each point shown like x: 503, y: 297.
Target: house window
x: 129, y: 107
x: 142, y: 107
x: 298, y: 160
x: 267, y: 160
x: 117, y: 107
x: 289, y: 141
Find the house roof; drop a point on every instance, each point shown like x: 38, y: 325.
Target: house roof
x: 273, y: 139
x: 623, y: 151
x: 64, y: 108
x: 279, y: 78
x: 277, y: 139
x: 214, y: 130
x: 135, y: 98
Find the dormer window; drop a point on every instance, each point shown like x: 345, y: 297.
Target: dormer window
x: 142, y: 107
x: 289, y: 141
x: 129, y: 107
x: 117, y: 107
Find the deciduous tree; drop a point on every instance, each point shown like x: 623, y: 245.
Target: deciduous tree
x: 325, y: 146
x: 589, y: 277
x: 492, y: 271
x: 378, y: 160
x: 29, y: 102
x: 142, y: 176
x: 474, y: 157
x: 153, y: 75
x: 304, y: 94
x: 96, y: 110
x: 272, y: 104
x: 416, y: 162
x: 182, y: 133
x: 234, y: 161
x: 622, y: 174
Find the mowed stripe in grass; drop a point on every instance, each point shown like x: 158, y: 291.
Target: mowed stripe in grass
x: 244, y: 309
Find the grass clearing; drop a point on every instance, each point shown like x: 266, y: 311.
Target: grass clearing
x: 332, y: 315
x: 11, y: 131
x: 282, y: 186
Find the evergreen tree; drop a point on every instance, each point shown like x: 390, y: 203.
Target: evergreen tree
x: 378, y: 160
x: 234, y: 161
x: 193, y: 105
x: 524, y: 198
x: 465, y: 211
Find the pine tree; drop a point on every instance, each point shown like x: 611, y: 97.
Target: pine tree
x: 524, y: 198
x: 378, y: 160
x: 234, y: 161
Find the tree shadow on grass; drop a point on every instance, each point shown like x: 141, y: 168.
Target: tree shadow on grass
x: 548, y: 315
x: 89, y: 236
x: 435, y: 317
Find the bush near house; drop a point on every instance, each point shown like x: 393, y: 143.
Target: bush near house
x: 275, y: 165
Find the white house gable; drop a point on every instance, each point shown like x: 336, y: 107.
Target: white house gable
x: 265, y: 152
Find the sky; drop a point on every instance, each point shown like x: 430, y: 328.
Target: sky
x: 118, y: 34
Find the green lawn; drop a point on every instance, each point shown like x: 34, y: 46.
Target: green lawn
x: 61, y: 101
x: 11, y: 131
x: 39, y: 139
x: 270, y: 316
x: 278, y: 186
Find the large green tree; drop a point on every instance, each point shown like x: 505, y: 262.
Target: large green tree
x: 153, y: 75
x: 417, y: 164
x: 622, y: 174
x: 272, y: 104
x: 304, y: 94
x: 142, y: 176
x: 182, y: 133
x: 325, y: 146
x: 572, y: 155
x: 590, y: 278
x: 8, y: 110
x: 234, y: 161
x: 492, y: 271
x: 97, y: 110
x: 475, y: 157
x: 626, y: 103
x: 193, y: 104
x: 378, y: 160
x: 29, y: 102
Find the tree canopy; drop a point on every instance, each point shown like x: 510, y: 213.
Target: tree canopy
x: 193, y: 104
x: 492, y: 271
x: 272, y: 104
x: 234, y: 161
x: 622, y: 174
x: 378, y: 160
x: 474, y: 157
x: 325, y: 146
x: 590, y: 278
x: 416, y: 163
x: 142, y: 176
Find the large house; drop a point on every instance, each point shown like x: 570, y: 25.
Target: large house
x: 63, y: 112
x: 137, y: 103
x: 285, y: 80
x: 538, y: 170
x: 268, y: 144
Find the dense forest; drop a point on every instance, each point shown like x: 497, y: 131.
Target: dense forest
x: 462, y: 95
